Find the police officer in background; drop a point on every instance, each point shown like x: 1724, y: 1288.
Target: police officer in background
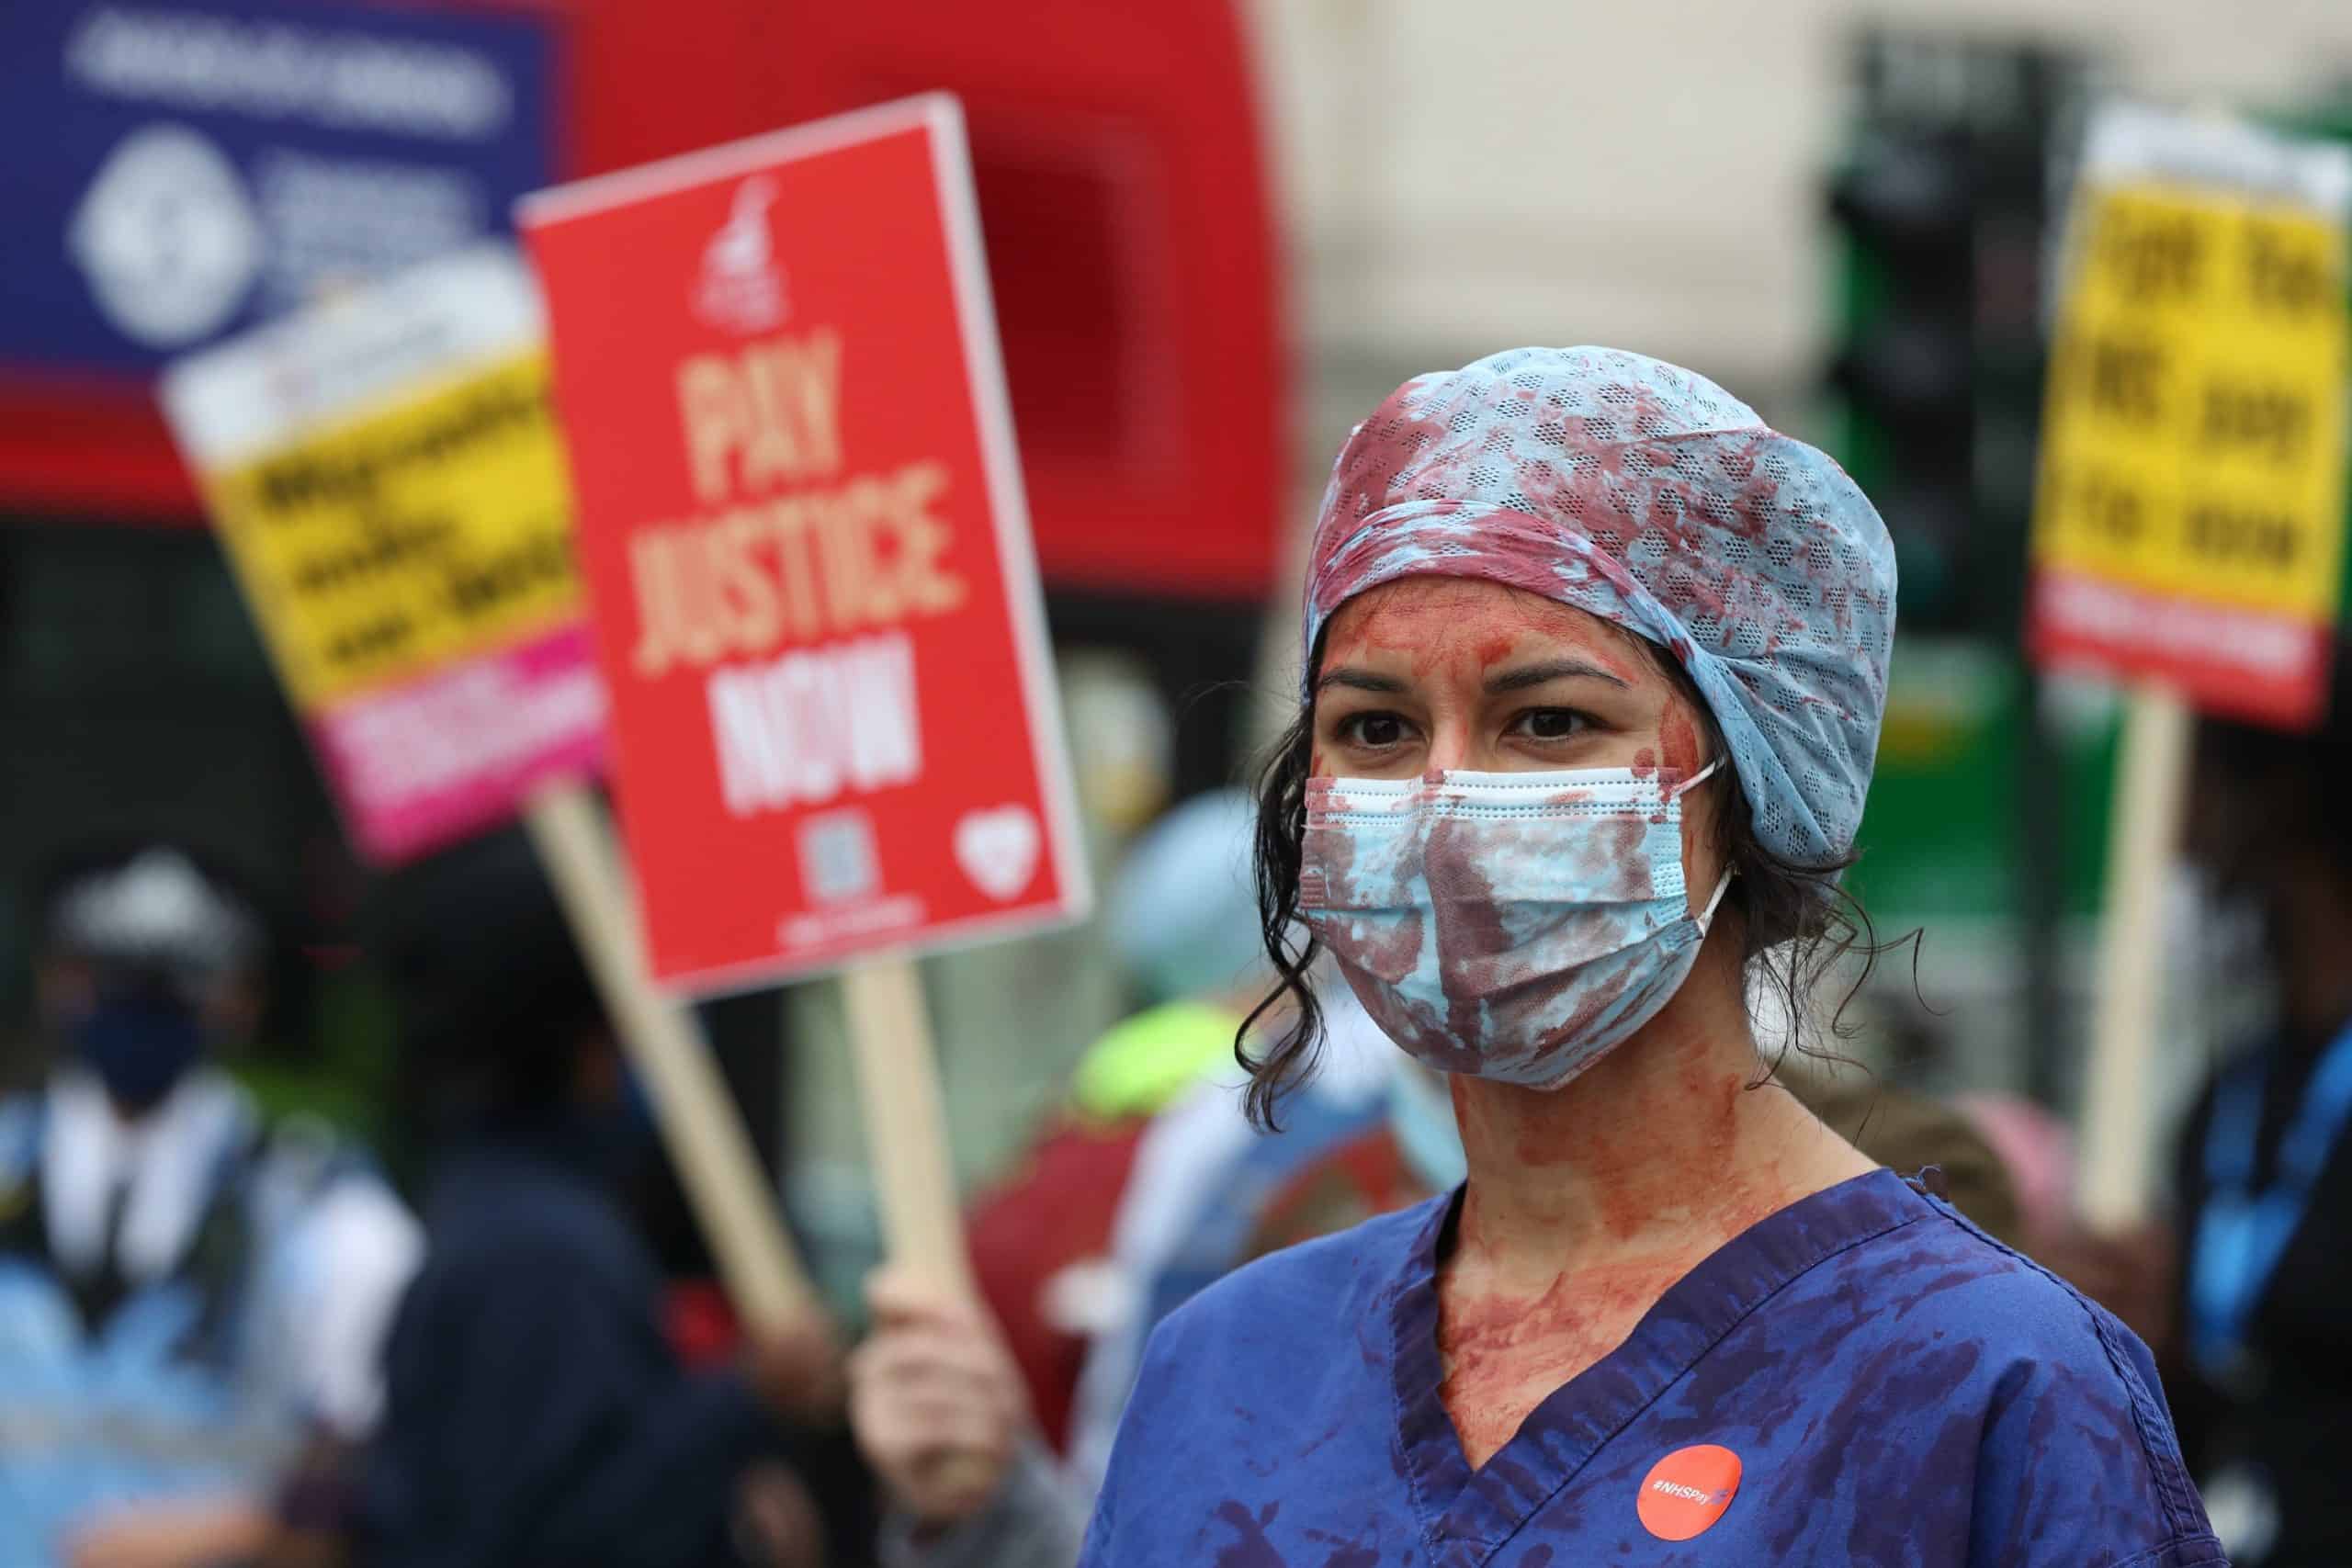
x: 189, y: 1298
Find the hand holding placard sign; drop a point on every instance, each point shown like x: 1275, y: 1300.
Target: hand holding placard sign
x: 2190, y: 522
x: 384, y: 472
x: 815, y: 602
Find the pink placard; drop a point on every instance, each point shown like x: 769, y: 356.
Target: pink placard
x: 430, y: 761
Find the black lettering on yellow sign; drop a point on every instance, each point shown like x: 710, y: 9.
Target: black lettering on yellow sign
x: 2126, y: 380
x: 2152, y: 255
x: 428, y: 527
x: 474, y: 586
x: 388, y: 544
x: 353, y: 474
x: 2282, y: 275
x: 384, y: 637
x: 2222, y: 532
x: 2193, y: 443
x: 2269, y: 421
x: 2110, y: 508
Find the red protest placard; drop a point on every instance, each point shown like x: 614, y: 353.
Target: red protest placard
x: 801, y: 526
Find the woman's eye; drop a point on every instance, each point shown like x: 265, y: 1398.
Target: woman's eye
x: 1552, y: 724
x: 1374, y: 731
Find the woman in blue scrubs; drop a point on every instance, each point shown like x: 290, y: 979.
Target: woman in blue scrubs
x: 1596, y: 662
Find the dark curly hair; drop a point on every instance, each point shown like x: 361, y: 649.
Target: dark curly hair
x: 1797, y: 921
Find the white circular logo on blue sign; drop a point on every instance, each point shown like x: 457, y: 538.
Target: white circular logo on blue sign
x: 167, y: 238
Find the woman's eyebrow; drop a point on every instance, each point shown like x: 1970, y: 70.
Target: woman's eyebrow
x: 1361, y: 680
x: 1554, y: 670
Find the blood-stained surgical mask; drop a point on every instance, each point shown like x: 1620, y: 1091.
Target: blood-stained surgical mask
x: 1510, y: 926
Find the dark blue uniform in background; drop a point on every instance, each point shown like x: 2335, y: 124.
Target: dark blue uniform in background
x: 536, y: 1414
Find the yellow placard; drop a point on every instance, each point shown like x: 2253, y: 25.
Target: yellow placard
x: 427, y: 529
x: 2192, y: 443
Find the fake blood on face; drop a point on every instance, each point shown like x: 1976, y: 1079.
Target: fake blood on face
x: 1463, y: 626
x: 1441, y: 641
x: 1680, y: 737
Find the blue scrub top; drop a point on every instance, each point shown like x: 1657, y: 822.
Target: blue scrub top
x: 1898, y: 1388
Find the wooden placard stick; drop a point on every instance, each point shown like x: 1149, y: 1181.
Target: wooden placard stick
x: 2150, y: 786
x: 906, y: 1122
x: 700, y: 1124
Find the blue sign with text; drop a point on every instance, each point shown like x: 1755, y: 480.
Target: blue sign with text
x: 178, y: 171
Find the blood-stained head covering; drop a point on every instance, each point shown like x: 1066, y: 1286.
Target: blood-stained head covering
x: 1652, y: 498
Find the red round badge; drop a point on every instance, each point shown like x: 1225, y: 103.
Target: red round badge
x: 1687, y: 1491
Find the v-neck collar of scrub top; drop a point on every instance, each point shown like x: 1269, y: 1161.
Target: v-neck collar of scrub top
x: 1460, y: 1508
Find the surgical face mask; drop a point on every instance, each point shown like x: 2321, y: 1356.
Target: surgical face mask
x: 1512, y: 926
x: 139, y: 1037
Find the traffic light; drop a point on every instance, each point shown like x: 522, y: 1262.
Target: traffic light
x: 1940, y: 214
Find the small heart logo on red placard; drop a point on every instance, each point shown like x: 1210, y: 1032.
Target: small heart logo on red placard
x: 997, y: 849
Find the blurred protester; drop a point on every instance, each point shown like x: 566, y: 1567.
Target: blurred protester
x: 188, y: 1297
x: 1914, y: 1132
x: 1145, y: 1186
x: 536, y: 1416
x: 2036, y: 1147
x: 2264, y: 1177
x: 940, y: 1403
x: 1413, y: 1152
x: 961, y: 1412
x: 2130, y: 1275
x: 1182, y: 921
x: 1201, y: 1178
x: 1206, y: 1177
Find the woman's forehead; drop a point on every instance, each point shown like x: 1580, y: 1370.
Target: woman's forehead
x: 1436, y: 618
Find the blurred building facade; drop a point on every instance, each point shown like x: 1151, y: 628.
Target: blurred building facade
x: 1461, y: 178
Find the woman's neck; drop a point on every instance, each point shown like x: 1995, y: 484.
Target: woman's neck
x: 1665, y: 1148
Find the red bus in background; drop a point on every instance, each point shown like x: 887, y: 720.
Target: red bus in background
x: 1124, y: 194
x: 1124, y: 197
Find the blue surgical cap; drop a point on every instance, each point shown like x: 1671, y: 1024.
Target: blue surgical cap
x: 1650, y: 497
